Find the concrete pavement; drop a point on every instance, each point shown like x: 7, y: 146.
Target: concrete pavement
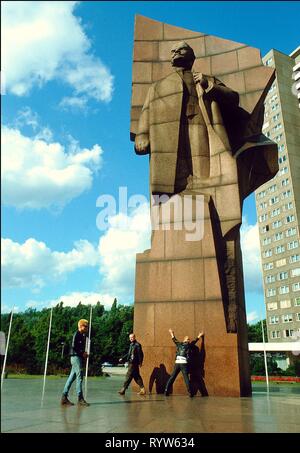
x: 111, y: 413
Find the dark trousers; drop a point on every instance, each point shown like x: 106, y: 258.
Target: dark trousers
x: 177, y: 368
x: 133, y: 372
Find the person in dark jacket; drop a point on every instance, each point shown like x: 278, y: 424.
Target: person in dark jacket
x: 181, y: 362
x: 134, y: 357
x: 78, y: 354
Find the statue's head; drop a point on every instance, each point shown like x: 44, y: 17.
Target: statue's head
x: 182, y: 55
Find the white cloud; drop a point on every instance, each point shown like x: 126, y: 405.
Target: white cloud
x: 251, y: 257
x: 126, y: 236
x: 42, y: 41
x: 26, y: 117
x: 39, y: 174
x: 74, y: 103
x: 5, y: 308
x: 72, y: 299
x: 252, y: 316
x: 33, y: 264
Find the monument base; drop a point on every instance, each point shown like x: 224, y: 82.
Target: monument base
x: 179, y: 286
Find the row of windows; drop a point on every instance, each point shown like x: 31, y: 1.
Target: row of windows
x: 273, y: 98
x: 276, y: 212
x: 271, y: 278
x: 282, y: 262
x: 271, y: 292
x: 282, y: 171
x: 284, y: 194
x: 263, y: 217
x: 279, y: 236
x: 273, y: 107
x: 287, y: 303
x: 282, y: 159
x: 277, y: 138
x: 284, y: 318
x: 280, y: 249
x: 276, y: 127
x: 287, y: 333
x: 277, y: 224
x: 263, y: 193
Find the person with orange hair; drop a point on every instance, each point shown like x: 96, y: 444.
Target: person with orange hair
x: 78, y: 354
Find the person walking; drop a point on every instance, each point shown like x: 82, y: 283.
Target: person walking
x: 78, y: 354
x: 134, y: 357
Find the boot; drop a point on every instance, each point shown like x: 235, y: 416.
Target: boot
x: 65, y: 402
x: 142, y: 391
x: 82, y: 402
x: 122, y: 391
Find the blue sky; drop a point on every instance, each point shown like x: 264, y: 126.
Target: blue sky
x: 65, y: 138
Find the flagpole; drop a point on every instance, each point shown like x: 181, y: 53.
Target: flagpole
x: 47, y: 353
x: 88, y: 351
x: 6, y: 349
x: 265, y: 355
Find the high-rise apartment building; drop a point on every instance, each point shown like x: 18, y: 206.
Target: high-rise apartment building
x: 278, y: 202
x: 296, y: 72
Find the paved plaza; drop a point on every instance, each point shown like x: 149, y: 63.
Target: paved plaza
x: 109, y: 412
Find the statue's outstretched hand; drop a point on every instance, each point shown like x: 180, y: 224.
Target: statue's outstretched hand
x: 141, y: 143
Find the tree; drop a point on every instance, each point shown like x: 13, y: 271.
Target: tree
x: 257, y: 365
x: 255, y: 333
x: 29, y: 335
x: 40, y: 332
x: 21, y: 346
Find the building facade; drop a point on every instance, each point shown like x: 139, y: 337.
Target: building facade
x: 296, y: 72
x: 278, y: 202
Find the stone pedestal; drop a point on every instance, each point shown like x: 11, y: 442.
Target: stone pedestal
x: 179, y: 285
x: 193, y: 285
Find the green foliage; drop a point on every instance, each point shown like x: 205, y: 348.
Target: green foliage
x: 255, y: 332
x: 29, y: 335
x: 257, y: 366
x: 22, y: 344
x: 293, y: 369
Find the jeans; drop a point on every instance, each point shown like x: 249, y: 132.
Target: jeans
x: 177, y: 368
x: 76, y: 373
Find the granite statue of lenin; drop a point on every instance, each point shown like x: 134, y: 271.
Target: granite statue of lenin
x: 201, y: 141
